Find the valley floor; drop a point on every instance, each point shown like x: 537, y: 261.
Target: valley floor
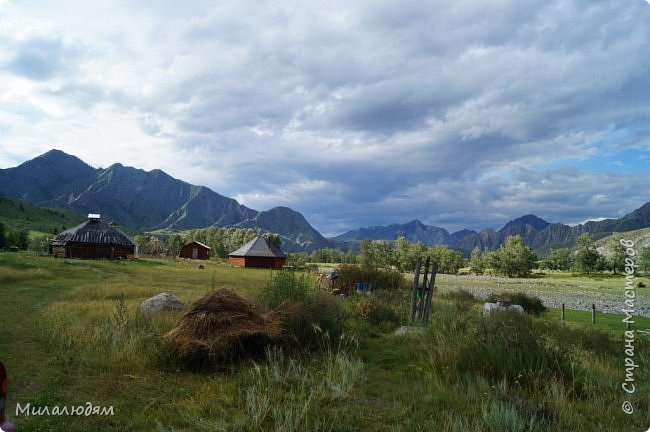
x: 71, y: 336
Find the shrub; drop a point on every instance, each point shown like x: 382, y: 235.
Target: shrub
x: 379, y: 278
x: 302, y: 309
x: 371, y: 309
x: 511, y: 346
x: 303, y: 321
x: 530, y: 304
x: 464, y: 299
x: 285, y: 286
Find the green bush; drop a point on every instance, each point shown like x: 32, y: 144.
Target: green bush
x: 285, y: 287
x: 303, y: 310
x: 371, y: 309
x: 530, y: 304
x: 379, y: 278
x: 510, y: 346
x: 303, y: 321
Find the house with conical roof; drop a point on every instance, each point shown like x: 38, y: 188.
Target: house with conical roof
x: 93, y: 239
x: 258, y: 252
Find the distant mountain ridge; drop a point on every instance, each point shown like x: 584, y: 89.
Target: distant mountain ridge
x: 536, y: 232
x: 412, y: 231
x: 153, y: 200
x: 140, y: 200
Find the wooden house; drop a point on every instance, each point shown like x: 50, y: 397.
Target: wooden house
x: 196, y: 250
x: 93, y: 239
x: 258, y: 252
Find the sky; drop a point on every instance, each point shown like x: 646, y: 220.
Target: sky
x: 461, y: 114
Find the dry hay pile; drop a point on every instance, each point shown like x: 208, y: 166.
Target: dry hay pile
x: 221, y: 327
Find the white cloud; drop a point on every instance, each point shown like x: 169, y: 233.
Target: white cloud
x: 353, y: 112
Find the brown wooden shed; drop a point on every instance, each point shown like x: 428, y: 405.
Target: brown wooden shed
x: 196, y: 250
x: 258, y: 252
x: 93, y: 239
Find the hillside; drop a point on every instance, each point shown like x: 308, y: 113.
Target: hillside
x: 640, y: 237
x: 144, y: 200
x: 296, y: 233
x: 19, y: 215
x: 137, y: 199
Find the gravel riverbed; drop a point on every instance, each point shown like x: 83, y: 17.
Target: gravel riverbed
x: 573, y: 298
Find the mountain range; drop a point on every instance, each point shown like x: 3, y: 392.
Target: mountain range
x: 536, y: 232
x: 153, y: 200
x: 145, y: 200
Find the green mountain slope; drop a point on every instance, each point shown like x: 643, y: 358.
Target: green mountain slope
x: 18, y: 215
x: 640, y: 237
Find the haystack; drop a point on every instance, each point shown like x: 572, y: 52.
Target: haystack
x: 221, y: 327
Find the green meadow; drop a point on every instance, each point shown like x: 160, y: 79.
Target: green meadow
x: 71, y: 335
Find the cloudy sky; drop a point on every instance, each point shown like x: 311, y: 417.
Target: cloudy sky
x: 355, y: 113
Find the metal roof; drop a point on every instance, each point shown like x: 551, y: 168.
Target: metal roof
x: 198, y: 243
x: 95, y: 232
x: 258, y: 247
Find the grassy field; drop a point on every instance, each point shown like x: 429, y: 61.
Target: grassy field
x: 71, y: 335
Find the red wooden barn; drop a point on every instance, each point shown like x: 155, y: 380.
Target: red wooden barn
x: 258, y: 252
x: 93, y: 239
x: 196, y: 250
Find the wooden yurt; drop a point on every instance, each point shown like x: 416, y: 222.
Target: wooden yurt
x: 258, y: 252
x: 93, y: 239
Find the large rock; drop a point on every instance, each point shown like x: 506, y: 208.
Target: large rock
x: 489, y: 308
x: 160, y: 303
x: 408, y: 330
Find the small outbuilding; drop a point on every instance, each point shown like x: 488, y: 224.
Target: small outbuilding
x: 196, y: 250
x: 93, y: 239
x: 258, y: 252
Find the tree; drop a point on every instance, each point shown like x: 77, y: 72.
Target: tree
x: 3, y: 238
x: 477, y: 262
x: 449, y: 260
x: 274, y: 239
x: 587, y: 257
x: 644, y: 259
x: 351, y: 258
x: 376, y: 253
x: 616, y: 259
x: 175, y: 242
x: 558, y: 259
x: 402, y: 254
x: 514, y: 259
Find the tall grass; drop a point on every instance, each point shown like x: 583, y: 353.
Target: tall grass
x: 284, y: 394
x: 102, y: 335
x: 303, y: 309
x: 285, y: 287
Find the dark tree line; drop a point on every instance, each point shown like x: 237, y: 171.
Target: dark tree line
x: 10, y: 238
x: 222, y: 241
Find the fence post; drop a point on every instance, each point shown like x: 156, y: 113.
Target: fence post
x: 424, y: 288
x: 593, y: 314
x: 414, y: 296
x: 562, y: 311
x: 432, y: 286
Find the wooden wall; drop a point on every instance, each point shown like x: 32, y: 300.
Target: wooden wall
x: 201, y: 252
x: 257, y: 262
